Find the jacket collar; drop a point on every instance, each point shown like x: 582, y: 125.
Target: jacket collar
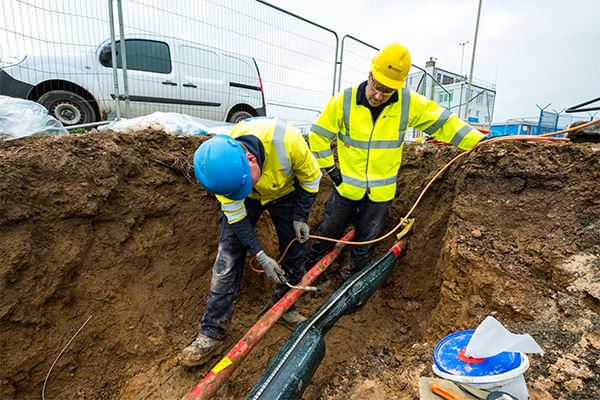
x: 361, y: 97
x: 255, y: 146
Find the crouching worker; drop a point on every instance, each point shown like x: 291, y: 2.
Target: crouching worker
x: 262, y: 164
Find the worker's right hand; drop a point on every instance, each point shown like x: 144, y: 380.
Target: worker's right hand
x: 270, y: 266
x: 335, y: 175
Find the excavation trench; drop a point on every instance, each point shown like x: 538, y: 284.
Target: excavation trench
x: 114, y: 226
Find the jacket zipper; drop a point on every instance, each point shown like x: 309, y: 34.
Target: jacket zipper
x: 369, y: 152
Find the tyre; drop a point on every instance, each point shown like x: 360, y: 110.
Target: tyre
x: 68, y: 107
x: 239, y: 116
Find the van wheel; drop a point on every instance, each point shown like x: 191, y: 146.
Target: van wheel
x: 239, y: 116
x: 68, y: 107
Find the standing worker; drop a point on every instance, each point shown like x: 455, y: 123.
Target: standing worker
x: 262, y: 164
x: 370, y: 122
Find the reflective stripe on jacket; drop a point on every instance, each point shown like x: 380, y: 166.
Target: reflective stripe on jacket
x: 370, y: 152
x: 287, y: 156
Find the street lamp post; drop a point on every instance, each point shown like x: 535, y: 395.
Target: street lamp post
x: 472, y: 63
x: 462, y: 57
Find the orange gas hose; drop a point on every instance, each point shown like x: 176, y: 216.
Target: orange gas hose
x: 546, y: 137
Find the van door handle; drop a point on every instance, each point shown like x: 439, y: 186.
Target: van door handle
x: 169, y: 83
x: 189, y: 85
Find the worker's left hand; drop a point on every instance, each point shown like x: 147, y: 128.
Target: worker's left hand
x: 270, y: 266
x: 302, y: 230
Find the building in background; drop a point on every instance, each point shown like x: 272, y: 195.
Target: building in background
x: 449, y: 90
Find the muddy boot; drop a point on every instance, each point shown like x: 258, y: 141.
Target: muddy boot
x: 199, y: 351
x: 348, y: 272
x: 292, y: 319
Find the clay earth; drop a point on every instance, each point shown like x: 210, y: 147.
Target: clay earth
x: 114, y: 227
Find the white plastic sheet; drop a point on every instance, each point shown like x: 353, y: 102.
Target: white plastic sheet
x: 491, y: 338
x: 171, y: 123
x: 20, y: 118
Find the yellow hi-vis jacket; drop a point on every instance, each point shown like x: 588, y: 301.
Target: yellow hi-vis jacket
x: 287, y: 156
x: 370, y: 153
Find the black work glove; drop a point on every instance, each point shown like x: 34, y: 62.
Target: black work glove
x: 335, y: 175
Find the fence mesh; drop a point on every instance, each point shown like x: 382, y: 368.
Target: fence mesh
x: 206, y: 58
x: 196, y: 57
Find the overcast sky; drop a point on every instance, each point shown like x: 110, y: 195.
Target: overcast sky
x: 537, y: 52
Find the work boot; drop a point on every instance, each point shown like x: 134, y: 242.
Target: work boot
x: 348, y: 272
x: 199, y: 351
x: 292, y: 319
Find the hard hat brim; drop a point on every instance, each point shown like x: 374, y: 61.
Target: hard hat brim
x: 385, y: 81
x: 243, y: 191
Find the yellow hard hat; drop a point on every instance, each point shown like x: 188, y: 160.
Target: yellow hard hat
x: 390, y: 66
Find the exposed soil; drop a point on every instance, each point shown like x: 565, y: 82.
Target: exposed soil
x: 114, y: 226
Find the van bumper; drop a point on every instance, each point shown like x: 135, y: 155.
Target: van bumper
x: 12, y: 87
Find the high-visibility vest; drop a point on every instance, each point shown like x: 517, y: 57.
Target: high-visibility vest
x: 287, y: 157
x: 370, y: 153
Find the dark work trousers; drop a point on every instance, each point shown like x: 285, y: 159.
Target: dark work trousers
x: 339, y: 211
x: 229, y: 265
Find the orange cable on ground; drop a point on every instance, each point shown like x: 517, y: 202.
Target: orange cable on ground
x: 546, y: 137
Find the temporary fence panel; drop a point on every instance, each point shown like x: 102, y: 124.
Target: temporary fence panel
x: 200, y: 58
x: 48, y: 52
x: 355, y: 62
x: 223, y: 60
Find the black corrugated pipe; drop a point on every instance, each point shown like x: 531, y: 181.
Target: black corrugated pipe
x: 293, y: 367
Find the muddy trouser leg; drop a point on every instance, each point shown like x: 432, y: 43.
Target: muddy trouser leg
x: 368, y: 225
x: 226, y: 278
x: 295, y: 259
x: 336, y: 216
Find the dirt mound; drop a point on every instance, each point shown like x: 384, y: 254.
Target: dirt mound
x: 115, y: 227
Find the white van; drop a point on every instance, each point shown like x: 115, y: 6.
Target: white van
x: 163, y: 74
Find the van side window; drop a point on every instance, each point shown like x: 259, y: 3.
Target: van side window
x: 142, y: 55
x: 200, y: 63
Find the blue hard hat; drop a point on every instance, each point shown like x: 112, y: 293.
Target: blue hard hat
x: 221, y: 167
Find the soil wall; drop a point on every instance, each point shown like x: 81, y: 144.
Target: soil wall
x: 114, y: 227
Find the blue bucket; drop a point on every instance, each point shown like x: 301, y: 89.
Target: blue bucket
x: 502, y: 372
